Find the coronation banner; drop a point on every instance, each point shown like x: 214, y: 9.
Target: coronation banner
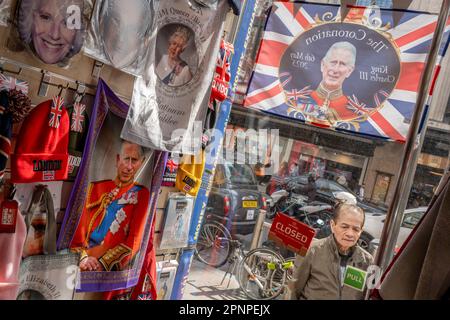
x: 360, y: 75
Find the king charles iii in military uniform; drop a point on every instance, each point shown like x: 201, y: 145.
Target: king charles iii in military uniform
x: 113, y: 219
x: 327, y: 103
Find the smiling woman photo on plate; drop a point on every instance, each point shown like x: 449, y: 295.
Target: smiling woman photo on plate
x: 50, y: 28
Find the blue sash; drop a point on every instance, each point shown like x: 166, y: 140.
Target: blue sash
x: 99, y: 234
x: 169, y: 78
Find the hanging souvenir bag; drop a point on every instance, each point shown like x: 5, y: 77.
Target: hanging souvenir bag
x: 44, y: 273
x: 222, y: 75
x: 41, y: 225
x: 12, y: 238
x: 171, y: 99
x: 219, y: 89
x: 190, y: 172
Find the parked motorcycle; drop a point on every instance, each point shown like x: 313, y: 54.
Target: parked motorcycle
x: 279, y: 202
x: 318, y: 216
x: 315, y: 214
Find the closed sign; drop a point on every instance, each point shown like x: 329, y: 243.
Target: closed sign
x: 292, y: 234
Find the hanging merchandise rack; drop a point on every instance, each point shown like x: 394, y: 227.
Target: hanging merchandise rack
x: 65, y: 82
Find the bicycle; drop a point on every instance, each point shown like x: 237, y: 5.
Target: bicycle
x: 261, y: 273
x: 213, y: 244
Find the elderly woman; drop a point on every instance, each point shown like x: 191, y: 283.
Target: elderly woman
x: 172, y: 70
x: 53, y: 29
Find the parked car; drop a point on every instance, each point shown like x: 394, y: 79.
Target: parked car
x: 375, y: 222
x: 235, y: 200
x: 327, y: 190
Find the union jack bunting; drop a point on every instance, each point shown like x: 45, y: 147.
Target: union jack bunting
x: 374, y: 94
x: 10, y: 83
x: 56, y: 112
x: 78, y: 117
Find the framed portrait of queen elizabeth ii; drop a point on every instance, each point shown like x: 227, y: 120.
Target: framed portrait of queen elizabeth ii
x: 176, y: 55
x: 53, y: 30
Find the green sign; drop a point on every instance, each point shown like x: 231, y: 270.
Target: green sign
x: 355, y: 278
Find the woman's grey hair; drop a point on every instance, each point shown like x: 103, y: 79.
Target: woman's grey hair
x: 345, y: 45
x: 25, y: 24
x: 182, y: 32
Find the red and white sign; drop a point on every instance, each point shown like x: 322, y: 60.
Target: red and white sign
x: 8, y: 216
x: 291, y: 233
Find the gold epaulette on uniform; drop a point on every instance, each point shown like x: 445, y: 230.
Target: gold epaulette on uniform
x: 114, y: 256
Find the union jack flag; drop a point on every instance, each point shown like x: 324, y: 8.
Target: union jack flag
x: 56, y: 112
x: 77, y: 117
x: 294, y: 95
x: 145, y: 297
x: 357, y: 107
x: 411, y: 33
x: 10, y: 83
x: 171, y: 165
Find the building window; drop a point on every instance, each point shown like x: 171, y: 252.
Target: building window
x: 387, y: 4
x: 381, y: 187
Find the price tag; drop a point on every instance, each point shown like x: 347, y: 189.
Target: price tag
x: 8, y: 216
x: 250, y: 214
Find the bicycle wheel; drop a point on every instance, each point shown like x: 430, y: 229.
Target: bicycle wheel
x: 260, y: 275
x: 213, y: 245
x: 290, y: 271
x: 279, y: 280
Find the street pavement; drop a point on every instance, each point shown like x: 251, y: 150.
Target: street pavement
x: 209, y: 283
x: 205, y: 283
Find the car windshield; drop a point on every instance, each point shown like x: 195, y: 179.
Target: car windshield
x: 239, y: 174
